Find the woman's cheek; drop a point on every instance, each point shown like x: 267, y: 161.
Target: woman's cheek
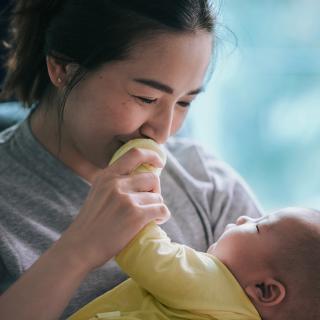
x: 178, y: 121
x: 130, y: 117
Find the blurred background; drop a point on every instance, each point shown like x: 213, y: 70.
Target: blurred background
x: 261, y: 109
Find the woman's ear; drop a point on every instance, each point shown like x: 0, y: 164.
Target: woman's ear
x: 268, y: 293
x: 57, y: 72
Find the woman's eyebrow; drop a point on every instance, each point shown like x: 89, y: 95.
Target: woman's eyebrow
x: 164, y: 87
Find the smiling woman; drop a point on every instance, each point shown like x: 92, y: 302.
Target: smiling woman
x: 97, y: 74
x: 116, y: 92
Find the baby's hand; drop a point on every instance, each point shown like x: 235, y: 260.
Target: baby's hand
x: 119, y: 204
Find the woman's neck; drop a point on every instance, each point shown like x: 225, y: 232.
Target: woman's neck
x: 45, y: 127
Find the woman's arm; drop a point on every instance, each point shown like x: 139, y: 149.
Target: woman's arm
x: 45, y: 289
x: 117, y: 208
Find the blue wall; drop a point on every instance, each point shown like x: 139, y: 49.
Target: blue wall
x: 261, y: 110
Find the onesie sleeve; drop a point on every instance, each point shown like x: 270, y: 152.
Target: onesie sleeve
x: 176, y: 275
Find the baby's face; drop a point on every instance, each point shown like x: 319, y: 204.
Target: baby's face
x: 247, y: 246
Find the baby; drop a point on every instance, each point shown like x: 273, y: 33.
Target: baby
x: 276, y: 261
x: 265, y: 268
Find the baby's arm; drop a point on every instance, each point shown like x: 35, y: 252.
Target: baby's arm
x: 175, y: 274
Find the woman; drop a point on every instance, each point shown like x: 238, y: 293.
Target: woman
x: 99, y: 73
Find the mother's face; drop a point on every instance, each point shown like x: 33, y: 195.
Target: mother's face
x: 146, y: 95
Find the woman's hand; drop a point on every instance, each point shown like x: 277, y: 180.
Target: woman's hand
x: 118, y: 206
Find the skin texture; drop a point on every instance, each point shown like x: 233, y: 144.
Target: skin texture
x: 105, y: 110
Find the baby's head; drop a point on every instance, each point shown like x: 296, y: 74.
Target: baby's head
x: 276, y: 260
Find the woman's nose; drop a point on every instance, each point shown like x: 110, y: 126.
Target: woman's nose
x: 159, y: 125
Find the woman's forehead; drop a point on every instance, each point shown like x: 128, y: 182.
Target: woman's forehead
x: 180, y: 62
x: 165, y: 52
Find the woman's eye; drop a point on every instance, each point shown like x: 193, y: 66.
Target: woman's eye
x: 147, y: 100
x: 184, y: 104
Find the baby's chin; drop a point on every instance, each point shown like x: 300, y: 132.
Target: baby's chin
x: 211, y: 249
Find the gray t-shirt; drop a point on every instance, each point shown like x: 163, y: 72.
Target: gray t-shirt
x: 40, y: 197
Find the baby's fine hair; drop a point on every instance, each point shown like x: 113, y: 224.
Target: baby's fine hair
x: 88, y: 33
x: 299, y: 261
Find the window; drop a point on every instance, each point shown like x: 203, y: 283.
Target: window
x: 261, y: 109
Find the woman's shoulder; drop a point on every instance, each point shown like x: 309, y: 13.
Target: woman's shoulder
x: 210, y: 182
x: 192, y: 159
x: 198, y: 161
x: 186, y: 151
x: 5, y: 139
x: 6, y: 134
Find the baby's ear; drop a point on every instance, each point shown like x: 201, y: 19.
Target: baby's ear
x: 268, y: 293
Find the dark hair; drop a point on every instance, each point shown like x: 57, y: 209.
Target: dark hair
x: 88, y: 33
x: 297, y: 259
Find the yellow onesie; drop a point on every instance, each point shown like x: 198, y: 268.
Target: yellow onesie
x: 170, y: 281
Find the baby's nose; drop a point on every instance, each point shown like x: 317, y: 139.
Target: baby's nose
x: 242, y: 220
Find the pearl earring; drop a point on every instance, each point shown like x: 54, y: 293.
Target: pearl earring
x: 59, y: 80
